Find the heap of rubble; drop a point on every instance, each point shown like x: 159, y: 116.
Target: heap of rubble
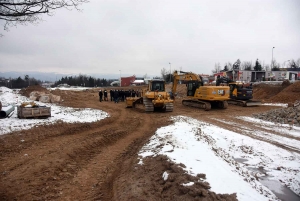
x: 289, y: 115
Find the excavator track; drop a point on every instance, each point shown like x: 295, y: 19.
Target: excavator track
x: 169, y: 107
x: 223, y: 104
x: 198, y: 104
x: 148, y: 105
x: 244, y: 103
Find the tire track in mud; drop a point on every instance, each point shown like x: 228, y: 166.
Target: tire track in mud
x: 243, y: 131
x: 230, y: 114
x: 65, y: 161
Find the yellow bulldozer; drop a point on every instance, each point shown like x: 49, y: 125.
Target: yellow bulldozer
x: 154, y: 96
x: 198, y: 95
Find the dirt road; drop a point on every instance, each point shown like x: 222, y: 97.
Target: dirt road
x: 94, y: 161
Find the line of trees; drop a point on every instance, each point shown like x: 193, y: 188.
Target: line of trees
x: 19, y: 82
x: 83, y: 80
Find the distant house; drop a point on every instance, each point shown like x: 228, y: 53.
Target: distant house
x: 126, y: 81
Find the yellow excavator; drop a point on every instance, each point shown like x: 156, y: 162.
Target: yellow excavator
x: 154, y: 96
x: 198, y: 95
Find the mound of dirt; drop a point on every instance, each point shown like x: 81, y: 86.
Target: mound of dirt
x: 264, y: 91
x: 159, y: 178
x: 26, y: 91
x: 289, y: 94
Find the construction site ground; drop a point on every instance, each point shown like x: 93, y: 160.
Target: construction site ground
x: 96, y: 161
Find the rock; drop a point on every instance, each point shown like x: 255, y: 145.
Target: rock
x: 44, y: 99
x: 55, y: 99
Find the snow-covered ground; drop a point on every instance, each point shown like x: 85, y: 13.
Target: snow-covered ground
x: 233, y: 163
x: 66, y: 114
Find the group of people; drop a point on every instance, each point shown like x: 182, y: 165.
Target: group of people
x: 118, y: 95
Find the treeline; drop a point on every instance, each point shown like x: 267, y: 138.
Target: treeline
x: 81, y: 80
x: 17, y: 83
x: 84, y: 81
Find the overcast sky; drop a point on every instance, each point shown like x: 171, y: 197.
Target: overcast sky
x: 142, y: 37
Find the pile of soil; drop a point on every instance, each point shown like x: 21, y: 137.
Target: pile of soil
x: 26, y: 91
x: 164, y: 181
x: 289, y: 94
x: 265, y: 91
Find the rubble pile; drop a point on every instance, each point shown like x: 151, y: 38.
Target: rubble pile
x: 289, y: 115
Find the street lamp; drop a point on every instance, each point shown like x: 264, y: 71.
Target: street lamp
x: 272, y: 59
x: 120, y: 78
x: 170, y: 71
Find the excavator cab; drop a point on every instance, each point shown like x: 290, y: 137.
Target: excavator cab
x: 238, y: 91
x: 191, y: 87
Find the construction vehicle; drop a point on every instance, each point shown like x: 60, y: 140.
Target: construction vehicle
x: 240, y: 93
x: 154, y: 96
x: 198, y: 95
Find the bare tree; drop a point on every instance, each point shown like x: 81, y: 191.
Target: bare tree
x: 228, y: 65
x: 247, y: 65
x: 267, y: 67
x: 217, y: 68
x: 15, y: 12
x: 163, y: 73
x: 298, y: 63
x: 294, y: 64
x: 275, y: 65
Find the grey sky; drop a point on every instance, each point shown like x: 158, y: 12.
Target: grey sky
x: 142, y: 37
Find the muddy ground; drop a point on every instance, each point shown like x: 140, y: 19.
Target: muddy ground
x: 98, y: 161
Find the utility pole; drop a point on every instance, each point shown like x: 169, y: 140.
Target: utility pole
x: 170, y: 71
x: 120, y: 78
x: 272, y: 59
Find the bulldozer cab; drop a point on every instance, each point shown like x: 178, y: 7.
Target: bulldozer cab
x: 157, y: 85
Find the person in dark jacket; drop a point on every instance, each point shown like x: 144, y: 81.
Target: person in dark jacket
x: 100, y: 95
x: 105, y: 95
x: 132, y: 93
x: 111, y: 93
x: 116, y: 96
x: 121, y: 95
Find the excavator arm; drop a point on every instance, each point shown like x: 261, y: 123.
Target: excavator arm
x: 184, y: 76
